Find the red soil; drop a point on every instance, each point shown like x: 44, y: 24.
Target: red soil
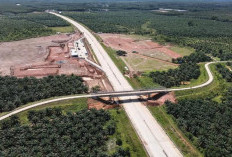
x: 129, y: 44
x: 92, y: 103
x: 160, y: 101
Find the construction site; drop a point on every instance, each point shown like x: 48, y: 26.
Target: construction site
x: 66, y: 55
x: 61, y: 54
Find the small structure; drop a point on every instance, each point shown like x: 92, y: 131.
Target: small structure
x: 79, y: 49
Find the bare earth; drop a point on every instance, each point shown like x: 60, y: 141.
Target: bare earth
x: 149, y: 56
x: 25, y: 51
x: 40, y: 57
x: 130, y: 44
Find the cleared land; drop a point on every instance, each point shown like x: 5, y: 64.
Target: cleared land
x: 26, y: 51
x: 145, y: 64
x: 40, y: 57
x: 143, y: 54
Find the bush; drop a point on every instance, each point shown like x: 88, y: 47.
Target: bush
x: 121, y: 53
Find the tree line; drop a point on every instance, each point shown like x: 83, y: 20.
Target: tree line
x: 52, y: 133
x: 18, y: 29
x: 19, y: 91
x: 225, y: 72
x: 206, y: 123
x: 175, y: 77
x: 206, y: 35
x: 196, y: 57
x: 22, y: 26
x: 43, y: 19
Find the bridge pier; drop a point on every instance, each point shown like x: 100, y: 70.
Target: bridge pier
x: 148, y: 96
x: 111, y: 99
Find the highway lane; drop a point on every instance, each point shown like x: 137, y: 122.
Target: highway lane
x: 151, y: 134
x: 153, y: 137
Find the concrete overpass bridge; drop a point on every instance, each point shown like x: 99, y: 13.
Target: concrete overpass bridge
x: 130, y: 93
x: 115, y: 94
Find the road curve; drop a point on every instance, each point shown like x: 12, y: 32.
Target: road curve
x: 210, y: 80
x: 151, y: 134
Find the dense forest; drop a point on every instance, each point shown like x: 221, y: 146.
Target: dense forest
x: 12, y: 29
x: 174, y: 77
x: 43, y: 19
x: 22, y: 26
x: 51, y: 133
x: 229, y: 64
x: 192, y: 58
x: 206, y: 123
x: 203, y: 26
x: 225, y: 72
x: 100, y: 5
x: 200, y: 29
x: 19, y: 91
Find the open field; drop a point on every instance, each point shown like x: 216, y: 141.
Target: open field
x: 149, y: 55
x: 134, y: 43
x: 139, y: 63
x: 183, y: 51
x: 65, y: 29
x: 26, y: 51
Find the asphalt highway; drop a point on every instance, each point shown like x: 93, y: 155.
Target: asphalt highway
x: 153, y: 137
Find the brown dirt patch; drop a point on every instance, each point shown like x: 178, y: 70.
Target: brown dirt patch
x: 145, y: 47
x: 40, y: 57
x: 96, y: 104
x: 27, y: 51
x: 161, y: 100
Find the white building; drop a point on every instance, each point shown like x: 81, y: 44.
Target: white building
x: 79, y: 49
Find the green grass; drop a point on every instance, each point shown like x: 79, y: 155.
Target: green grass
x: 126, y: 133
x: 116, y: 59
x: 211, y: 91
x: 183, y: 51
x: 218, y: 99
x: 147, y: 83
x: 67, y: 29
x: 72, y: 105
x: 31, y: 103
x: 147, y: 64
x: 174, y: 132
